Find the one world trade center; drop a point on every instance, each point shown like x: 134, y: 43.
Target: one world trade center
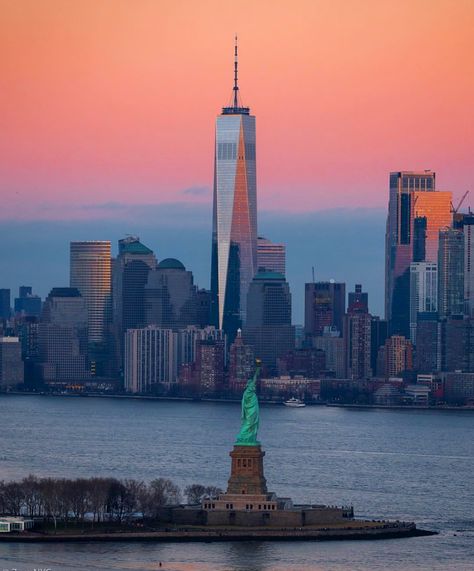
x: 234, y: 232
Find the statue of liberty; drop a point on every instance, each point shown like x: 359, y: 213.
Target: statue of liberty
x: 250, y: 413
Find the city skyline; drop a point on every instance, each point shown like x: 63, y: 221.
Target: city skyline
x: 112, y: 87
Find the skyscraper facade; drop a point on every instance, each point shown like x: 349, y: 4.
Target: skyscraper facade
x: 358, y: 336
x: 271, y: 256
x: 423, y: 292
x: 5, y: 309
x: 234, y: 234
x: 62, y: 337
x: 466, y: 223
x: 91, y: 274
x: 11, y: 365
x: 416, y: 213
x: 268, y: 328
x: 151, y: 360
x: 324, y: 306
x: 451, y: 272
x: 129, y: 275
x: 171, y: 296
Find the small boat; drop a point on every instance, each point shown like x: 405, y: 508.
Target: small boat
x: 294, y: 402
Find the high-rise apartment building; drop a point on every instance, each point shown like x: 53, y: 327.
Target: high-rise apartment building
x: 416, y: 213
x: 234, y: 233
x: 271, y: 257
x: 423, y: 292
x: 241, y: 362
x: 151, y: 360
x: 378, y: 336
x: 188, y: 339
x: 465, y: 222
x: 268, y: 327
x: 451, y: 272
x: 357, y: 342
x: 398, y: 354
x: 324, y: 306
x: 90, y: 273
x: 209, y: 366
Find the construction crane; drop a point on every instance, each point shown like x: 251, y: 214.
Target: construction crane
x: 455, y: 210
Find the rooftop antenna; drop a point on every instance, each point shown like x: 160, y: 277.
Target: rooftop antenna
x: 236, y: 86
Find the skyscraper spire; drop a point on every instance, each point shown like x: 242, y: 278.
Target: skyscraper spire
x: 236, y: 85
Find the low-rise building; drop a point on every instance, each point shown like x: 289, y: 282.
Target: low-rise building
x: 9, y: 524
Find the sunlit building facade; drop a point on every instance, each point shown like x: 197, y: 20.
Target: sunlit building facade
x: 91, y: 274
x: 271, y: 256
x: 416, y: 213
x: 234, y: 235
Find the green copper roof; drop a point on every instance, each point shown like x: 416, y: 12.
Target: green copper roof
x: 135, y: 248
x: 171, y: 264
x: 269, y: 276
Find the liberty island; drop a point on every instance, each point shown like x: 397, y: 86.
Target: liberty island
x: 247, y: 510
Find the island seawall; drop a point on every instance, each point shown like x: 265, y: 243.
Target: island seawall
x: 369, y: 531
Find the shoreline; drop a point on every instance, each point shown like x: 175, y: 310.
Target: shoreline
x: 222, y: 535
x: 237, y: 401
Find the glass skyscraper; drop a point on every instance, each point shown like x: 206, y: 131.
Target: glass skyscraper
x: 416, y: 213
x: 234, y: 235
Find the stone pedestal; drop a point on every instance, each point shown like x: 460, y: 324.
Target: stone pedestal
x: 246, y: 475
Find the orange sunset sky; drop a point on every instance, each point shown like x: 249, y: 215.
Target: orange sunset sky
x: 115, y: 100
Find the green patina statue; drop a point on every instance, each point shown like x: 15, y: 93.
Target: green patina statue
x: 250, y: 413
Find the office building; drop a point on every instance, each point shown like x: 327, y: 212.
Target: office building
x: 378, y: 335
x: 333, y: 346
x: 11, y: 365
x: 151, y: 360
x: 451, y: 272
x: 5, y: 308
x: 203, y: 301
x: 412, y: 196
x: 428, y: 343
x: 27, y: 304
x: 90, y: 273
x: 457, y: 344
x: 171, y: 296
x: 324, y: 306
x: 423, y: 292
x: 271, y: 257
x: 358, y: 301
x: 268, y: 328
x: 130, y: 271
x: 234, y: 233
x: 62, y: 337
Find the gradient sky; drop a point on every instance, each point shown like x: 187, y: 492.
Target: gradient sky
x: 114, y: 100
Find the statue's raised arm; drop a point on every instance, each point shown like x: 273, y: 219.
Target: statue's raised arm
x: 250, y: 413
